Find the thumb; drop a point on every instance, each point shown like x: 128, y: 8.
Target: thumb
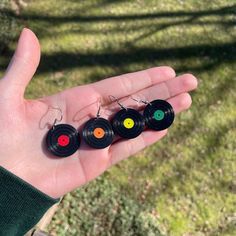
x: 22, y: 66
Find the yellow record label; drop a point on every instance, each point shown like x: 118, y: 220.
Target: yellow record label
x: 128, y: 123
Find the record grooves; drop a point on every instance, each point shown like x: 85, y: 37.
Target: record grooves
x: 159, y: 115
x: 98, y: 133
x: 128, y: 123
x: 63, y: 140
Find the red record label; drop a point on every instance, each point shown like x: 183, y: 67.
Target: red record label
x: 63, y: 140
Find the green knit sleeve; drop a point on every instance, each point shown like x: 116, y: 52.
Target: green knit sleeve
x: 21, y: 204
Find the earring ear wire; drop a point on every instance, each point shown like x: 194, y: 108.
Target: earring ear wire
x: 141, y: 100
x: 99, y: 108
x: 115, y: 99
x: 61, y: 117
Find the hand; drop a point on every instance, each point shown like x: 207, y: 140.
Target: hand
x: 22, y: 148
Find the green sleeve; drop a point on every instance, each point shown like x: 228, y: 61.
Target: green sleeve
x: 21, y: 204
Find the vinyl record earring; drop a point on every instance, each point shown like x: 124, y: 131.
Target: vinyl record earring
x: 97, y: 132
x: 127, y: 123
x: 158, y: 114
x: 62, y: 140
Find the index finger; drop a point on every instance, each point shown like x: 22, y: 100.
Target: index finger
x: 124, y: 85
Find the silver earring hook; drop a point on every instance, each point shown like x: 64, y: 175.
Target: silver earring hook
x: 116, y: 99
x: 99, y: 108
x: 141, y: 100
x: 56, y: 120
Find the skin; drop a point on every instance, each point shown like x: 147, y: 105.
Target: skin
x: 24, y: 123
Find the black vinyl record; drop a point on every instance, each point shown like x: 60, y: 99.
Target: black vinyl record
x: 63, y: 140
x: 128, y: 123
x: 98, y: 133
x: 159, y: 115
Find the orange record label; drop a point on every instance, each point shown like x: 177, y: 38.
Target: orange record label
x: 99, y: 132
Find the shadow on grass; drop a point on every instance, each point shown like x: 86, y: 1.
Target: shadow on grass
x: 174, y: 18
x: 227, y: 10
x: 211, y: 54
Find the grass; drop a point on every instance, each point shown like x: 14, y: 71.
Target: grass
x: 185, y: 184
x: 8, y: 26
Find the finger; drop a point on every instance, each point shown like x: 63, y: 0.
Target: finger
x: 182, y: 83
x: 22, y: 66
x: 124, y: 85
x: 164, y: 90
x: 125, y: 148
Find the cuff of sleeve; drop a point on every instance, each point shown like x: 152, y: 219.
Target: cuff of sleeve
x: 21, y: 204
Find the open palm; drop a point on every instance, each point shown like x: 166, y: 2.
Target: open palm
x: 23, y: 122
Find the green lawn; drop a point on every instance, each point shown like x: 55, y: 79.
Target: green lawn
x: 184, y: 185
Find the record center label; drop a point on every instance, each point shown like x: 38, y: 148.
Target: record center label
x: 63, y: 140
x: 159, y: 115
x: 99, y: 132
x: 128, y: 123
